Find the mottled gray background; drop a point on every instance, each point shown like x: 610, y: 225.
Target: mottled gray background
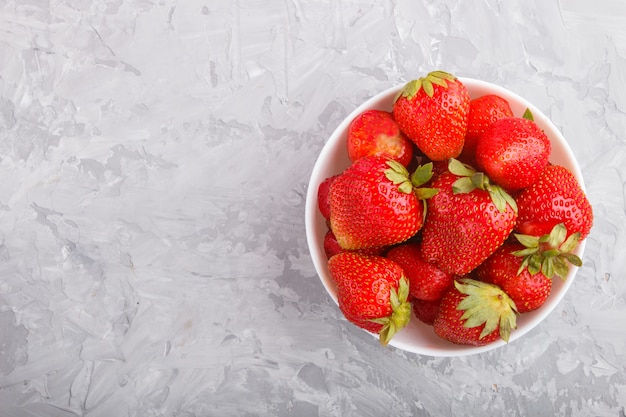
x: 154, y: 160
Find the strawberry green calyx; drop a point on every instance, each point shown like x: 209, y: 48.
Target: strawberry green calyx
x: 399, y: 175
x: 472, y: 179
x: 549, y: 254
x: 486, y: 304
x: 528, y: 115
x: 401, y: 312
x: 435, y: 77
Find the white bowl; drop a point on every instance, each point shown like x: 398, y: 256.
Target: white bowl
x: 418, y: 337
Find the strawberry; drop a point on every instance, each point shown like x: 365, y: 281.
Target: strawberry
x: 323, y: 198
x: 528, y: 291
x: 375, y: 132
x: 432, y: 111
x: 513, y: 152
x: 426, y: 280
x: 555, y: 198
x: 426, y: 311
x: 483, y: 111
x: 331, y: 247
x: 475, y: 313
x: 372, y: 293
x: 524, y: 270
x: 375, y: 203
x: 467, y: 220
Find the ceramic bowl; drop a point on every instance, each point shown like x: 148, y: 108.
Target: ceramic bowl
x: 418, y: 337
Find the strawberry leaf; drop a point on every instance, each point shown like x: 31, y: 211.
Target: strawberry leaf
x: 573, y: 259
x: 427, y: 85
x: 439, y: 81
x: 525, y: 252
x: 460, y: 169
x: 425, y: 193
x: 524, y: 264
x: 498, y: 199
x: 471, y: 179
x: 405, y: 187
x: 570, y: 243
x: 410, y: 89
x: 397, y: 174
x: 547, y: 267
x: 535, y: 264
x: 550, y: 253
x: 557, y: 235
x: 463, y: 185
x: 509, y: 200
x: 422, y: 174
x: 528, y: 115
x: 401, y: 312
x: 527, y: 240
x: 486, y: 304
x: 560, y: 267
x: 442, y: 75
x: 501, y: 198
x: 479, y: 180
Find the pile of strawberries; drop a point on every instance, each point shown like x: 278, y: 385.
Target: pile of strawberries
x: 450, y: 213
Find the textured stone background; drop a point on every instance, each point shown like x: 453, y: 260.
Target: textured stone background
x: 154, y: 159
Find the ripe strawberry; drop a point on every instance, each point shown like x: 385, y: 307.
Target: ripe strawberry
x: 528, y: 291
x: 432, y: 111
x: 467, y: 220
x: 555, y: 198
x: 426, y: 311
x: 331, y: 247
x: 525, y: 269
x: 374, y: 203
x: 375, y: 132
x: 323, y: 199
x: 513, y: 152
x: 483, y: 111
x: 475, y: 313
x: 372, y: 293
x: 426, y: 280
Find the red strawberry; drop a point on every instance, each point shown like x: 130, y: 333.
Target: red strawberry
x: 331, y: 247
x: 432, y: 111
x: 467, y: 220
x: 528, y: 291
x: 374, y: 203
x: 323, y: 199
x: 439, y: 167
x: 426, y: 280
x: 426, y: 311
x: 372, y: 293
x: 483, y: 111
x: 555, y: 198
x: 524, y: 270
x: 513, y: 152
x: 475, y: 313
x: 375, y: 132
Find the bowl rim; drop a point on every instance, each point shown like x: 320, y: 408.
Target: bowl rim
x: 313, y: 217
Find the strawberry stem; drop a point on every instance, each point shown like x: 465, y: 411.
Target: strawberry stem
x: 399, y: 175
x: 470, y: 179
x: 400, y: 315
x: 488, y: 305
x: 426, y: 83
x: 549, y: 253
